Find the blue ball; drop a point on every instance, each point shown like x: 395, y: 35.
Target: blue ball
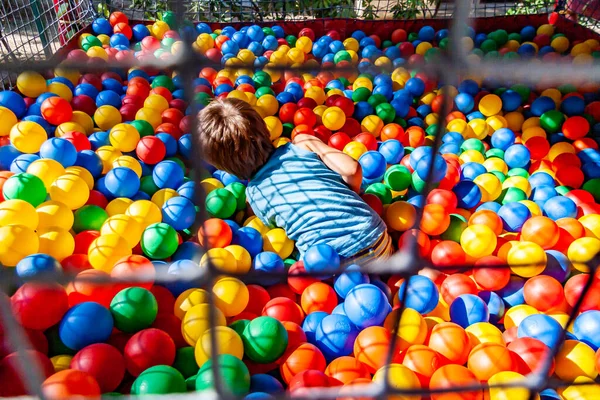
x: 573, y: 106
x: 558, y: 265
x: 108, y: 98
x: 122, y: 182
x: 84, y: 324
x: 335, y: 46
x: 265, y: 383
x: 230, y: 47
x: 14, y: 102
x: 270, y: 43
x: 373, y: 165
x: 203, y: 28
x: 392, y: 150
x: 366, y: 305
x: 256, y: 48
x: 250, y: 239
x: 60, y: 150
x: 188, y: 190
x: 453, y: 137
x: 86, y: 89
x: 503, y: 138
x: 586, y: 328
x: 490, y: 205
x: 468, y: 309
x: 511, y: 101
x: 278, y: 31
x: 550, y: 394
x: 37, y: 264
x: 140, y: 31
x: 189, y: 251
x: 423, y: 110
x: 339, y: 309
x: 167, y: 174
x: 259, y: 396
x: 170, y: 143
x: 311, y: 323
x: 101, y: 26
x: 223, y: 87
x: 21, y: 163
x: 362, y: 109
x: 541, y: 105
x: 179, y: 212
x: 113, y: 85
x: 401, y: 106
x: 285, y: 97
x: 517, y: 156
x: 335, y: 336
x: 559, y: 207
x: 421, y: 294
x: 467, y: 193
x: 255, y: 33
x: 384, y: 90
x: 321, y: 257
x: 347, y: 280
x: 184, y: 145
x: 118, y: 39
x: 528, y: 33
x: 468, y: 86
x: 450, y: 148
x: 495, y: 305
x: 541, y: 178
x: 418, y: 154
x: 184, y: 271
x: 464, y: 102
x: 90, y: 161
x: 475, y: 115
x: 99, y: 139
x: 513, y: 216
x: 415, y: 86
x: 241, y: 39
x: 541, y: 327
x: 426, y: 34
x: 270, y: 262
x: 471, y: 170
x: 513, y: 293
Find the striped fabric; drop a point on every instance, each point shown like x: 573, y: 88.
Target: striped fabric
x: 382, y: 248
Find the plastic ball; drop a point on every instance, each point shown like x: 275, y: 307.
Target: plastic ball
x: 85, y: 324
x: 420, y: 294
x: 541, y: 327
x: 147, y: 348
x: 70, y: 383
x: 356, y: 301
x: 228, y: 342
x: 235, y: 376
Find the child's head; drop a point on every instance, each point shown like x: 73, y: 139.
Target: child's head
x: 233, y: 137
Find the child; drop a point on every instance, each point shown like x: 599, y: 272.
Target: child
x: 307, y: 188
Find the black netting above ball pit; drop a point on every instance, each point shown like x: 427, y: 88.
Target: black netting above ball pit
x: 546, y: 359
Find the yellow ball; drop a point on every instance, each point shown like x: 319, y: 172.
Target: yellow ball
x: 575, y: 359
x: 591, y: 223
x: 61, y: 362
x: 534, y: 209
x: 281, y: 141
x: 54, y: 214
x: 559, y: 148
x: 161, y: 196
x: 581, y: 251
x: 334, y: 118
x: 231, y: 295
x: 9, y: 119
x: 18, y: 212
x: 472, y: 156
x: 189, y: 299
x: 210, y: 184
x: 28, y: 136
x: 296, y: 56
x: 495, y: 164
x: 242, y: 258
x: 125, y: 137
x: 106, y: 117
x: 515, y: 315
x: 317, y: 94
x: 460, y: 126
x: 517, y: 182
x: 118, y: 206
x: 70, y: 73
x: 411, y: 330
x: 372, y: 124
x: 124, y: 226
x: 527, y: 259
x: 70, y: 190
x: 256, y: 223
x: 128, y: 162
x: 68, y: 127
x: 423, y: 47
x: 490, y: 104
x: 228, y: 342
x: 479, y: 128
x: 490, y: 185
x: 274, y: 126
x: 47, y: 170
x: 583, y: 388
x: 196, y: 321
x: 401, y: 216
x: 31, y: 84
x: 84, y: 120
x: 97, y: 52
x: 546, y: 29
x: 159, y: 28
x: 268, y: 104
x: 496, y: 122
x: 156, y: 102
x: 560, y: 44
x: 398, y: 377
x: 362, y: 82
x: 484, y: 332
x: 104, y: 39
x: 16, y: 243
x: 236, y: 94
x: 351, y: 44
x: 61, y: 90
x: 277, y: 241
x: 81, y: 173
x: 149, y: 115
x: 221, y: 259
x: 478, y: 240
x: 106, y: 250
x: 510, y: 393
x: 144, y: 212
x: 355, y: 149
x: 108, y: 154
x: 56, y: 242
x: 514, y: 121
x: 305, y: 44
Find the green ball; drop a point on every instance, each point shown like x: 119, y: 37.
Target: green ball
x: 511, y: 195
x: 345, y: 81
x: 432, y: 130
x: 143, y: 127
x: 419, y: 184
x: 261, y: 79
x: 25, y: 187
x: 185, y: 362
x: 523, y: 90
x: 160, y: 379
x: 288, y: 127
x: 163, y: 81
x: 261, y: 91
x: 56, y: 347
x: 90, y: 41
x: 413, y: 36
x: 567, y: 88
x: 444, y: 43
x: 380, y: 190
x: 376, y: 100
x: 478, y: 52
x: 291, y: 39
x: 202, y: 98
x: 511, y: 55
x: 515, y: 36
x: 562, y: 190
x: 501, y: 37
x: 342, y: 55
x: 552, y: 121
x: 386, y: 44
x: 386, y: 112
x: 401, y: 121
x: 238, y: 190
x: 89, y: 218
x: 239, y: 326
x: 489, y: 45
x: 235, y: 376
x: 166, y: 43
x: 133, y: 309
x: 268, y: 31
x: 518, y: 172
x: 458, y: 224
x: 473, y: 144
x: 501, y: 177
x: 593, y: 186
x: 397, y: 177
x: 148, y: 186
x: 432, y: 54
x: 498, y: 153
x: 492, y: 55
x: 361, y: 94
x: 265, y: 340
x: 159, y: 241
x: 221, y: 203
x: 190, y: 383
x: 170, y: 18
x: 159, y: 52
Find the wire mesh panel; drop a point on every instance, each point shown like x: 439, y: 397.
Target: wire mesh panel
x: 487, y: 254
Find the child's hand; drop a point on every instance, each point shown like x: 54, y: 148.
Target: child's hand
x: 337, y: 161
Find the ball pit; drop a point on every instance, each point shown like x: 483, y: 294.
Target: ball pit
x: 96, y: 181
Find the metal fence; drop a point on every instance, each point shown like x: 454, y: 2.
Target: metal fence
x: 37, y: 29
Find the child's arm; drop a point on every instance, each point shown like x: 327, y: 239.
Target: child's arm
x: 335, y: 160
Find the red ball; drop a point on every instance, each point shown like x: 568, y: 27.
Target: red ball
x: 448, y: 254
x: 11, y: 375
x: 346, y: 104
x: 307, y: 102
x: 75, y: 263
x: 164, y: 299
x: 284, y: 309
x: 339, y: 140
x: 322, y: 133
x: 367, y: 139
x: 133, y: 266
x: 178, y: 104
x: 307, y: 379
x: 406, y: 49
x: 186, y: 124
x: 538, y: 147
x: 128, y: 112
x: 84, y: 103
x: 83, y: 240
x: 92, y: 79
x: 56, y: 110
x: 299, y: 283
x: 530, y: 355
x: 171, y: 325
x: 374, y: 202
x: 36, y: 340
x: 97, y: 199
x: 309, y: 33
x: 172, y: 116
x: 575, y: 127
x: 489, y: 275
x: 102, y: 361
x: 151, y: 150
x: 282, y: 290
x: 455, y: 285
x: 169, y: 128
x: 39, y: 306
x: 305, y: 116
x: 331, y: 100
x: 147, y: 348
x: 351, y: 127
x: 543, y: 293
x: 574, y: 289
x: 443, y: 197
x: 319, y: 296
x: 86, y: 287
x: 78, y: 139
x: 259, y: 296
x: 77, y: 56
x: 571, y: 176
x: 302, y: 130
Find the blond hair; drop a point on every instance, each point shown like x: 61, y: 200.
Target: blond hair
x: 233, y: 137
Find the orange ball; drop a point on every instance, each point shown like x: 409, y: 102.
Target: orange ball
x: 455, y: 285
x: 318, y: 296
x: 489, y: 275
x: 423, y: 361
x: 371, y: 347
x: 346, y: 369
x: 306, y: 356
x: 451, y: 341
x: 214, y: 233
x: 392, y: 131
x: 435, y: 219
x: 488, y: 218
x: 134, y: 266
x: 299, y: 283
x: 487, y: 359
x: 71, y: 383
x: 118, y: 17
x: 540, y: 230
x: 411, y: 236
x: 543, y: 293
x: 569, y: 229
x: 452, y: 376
